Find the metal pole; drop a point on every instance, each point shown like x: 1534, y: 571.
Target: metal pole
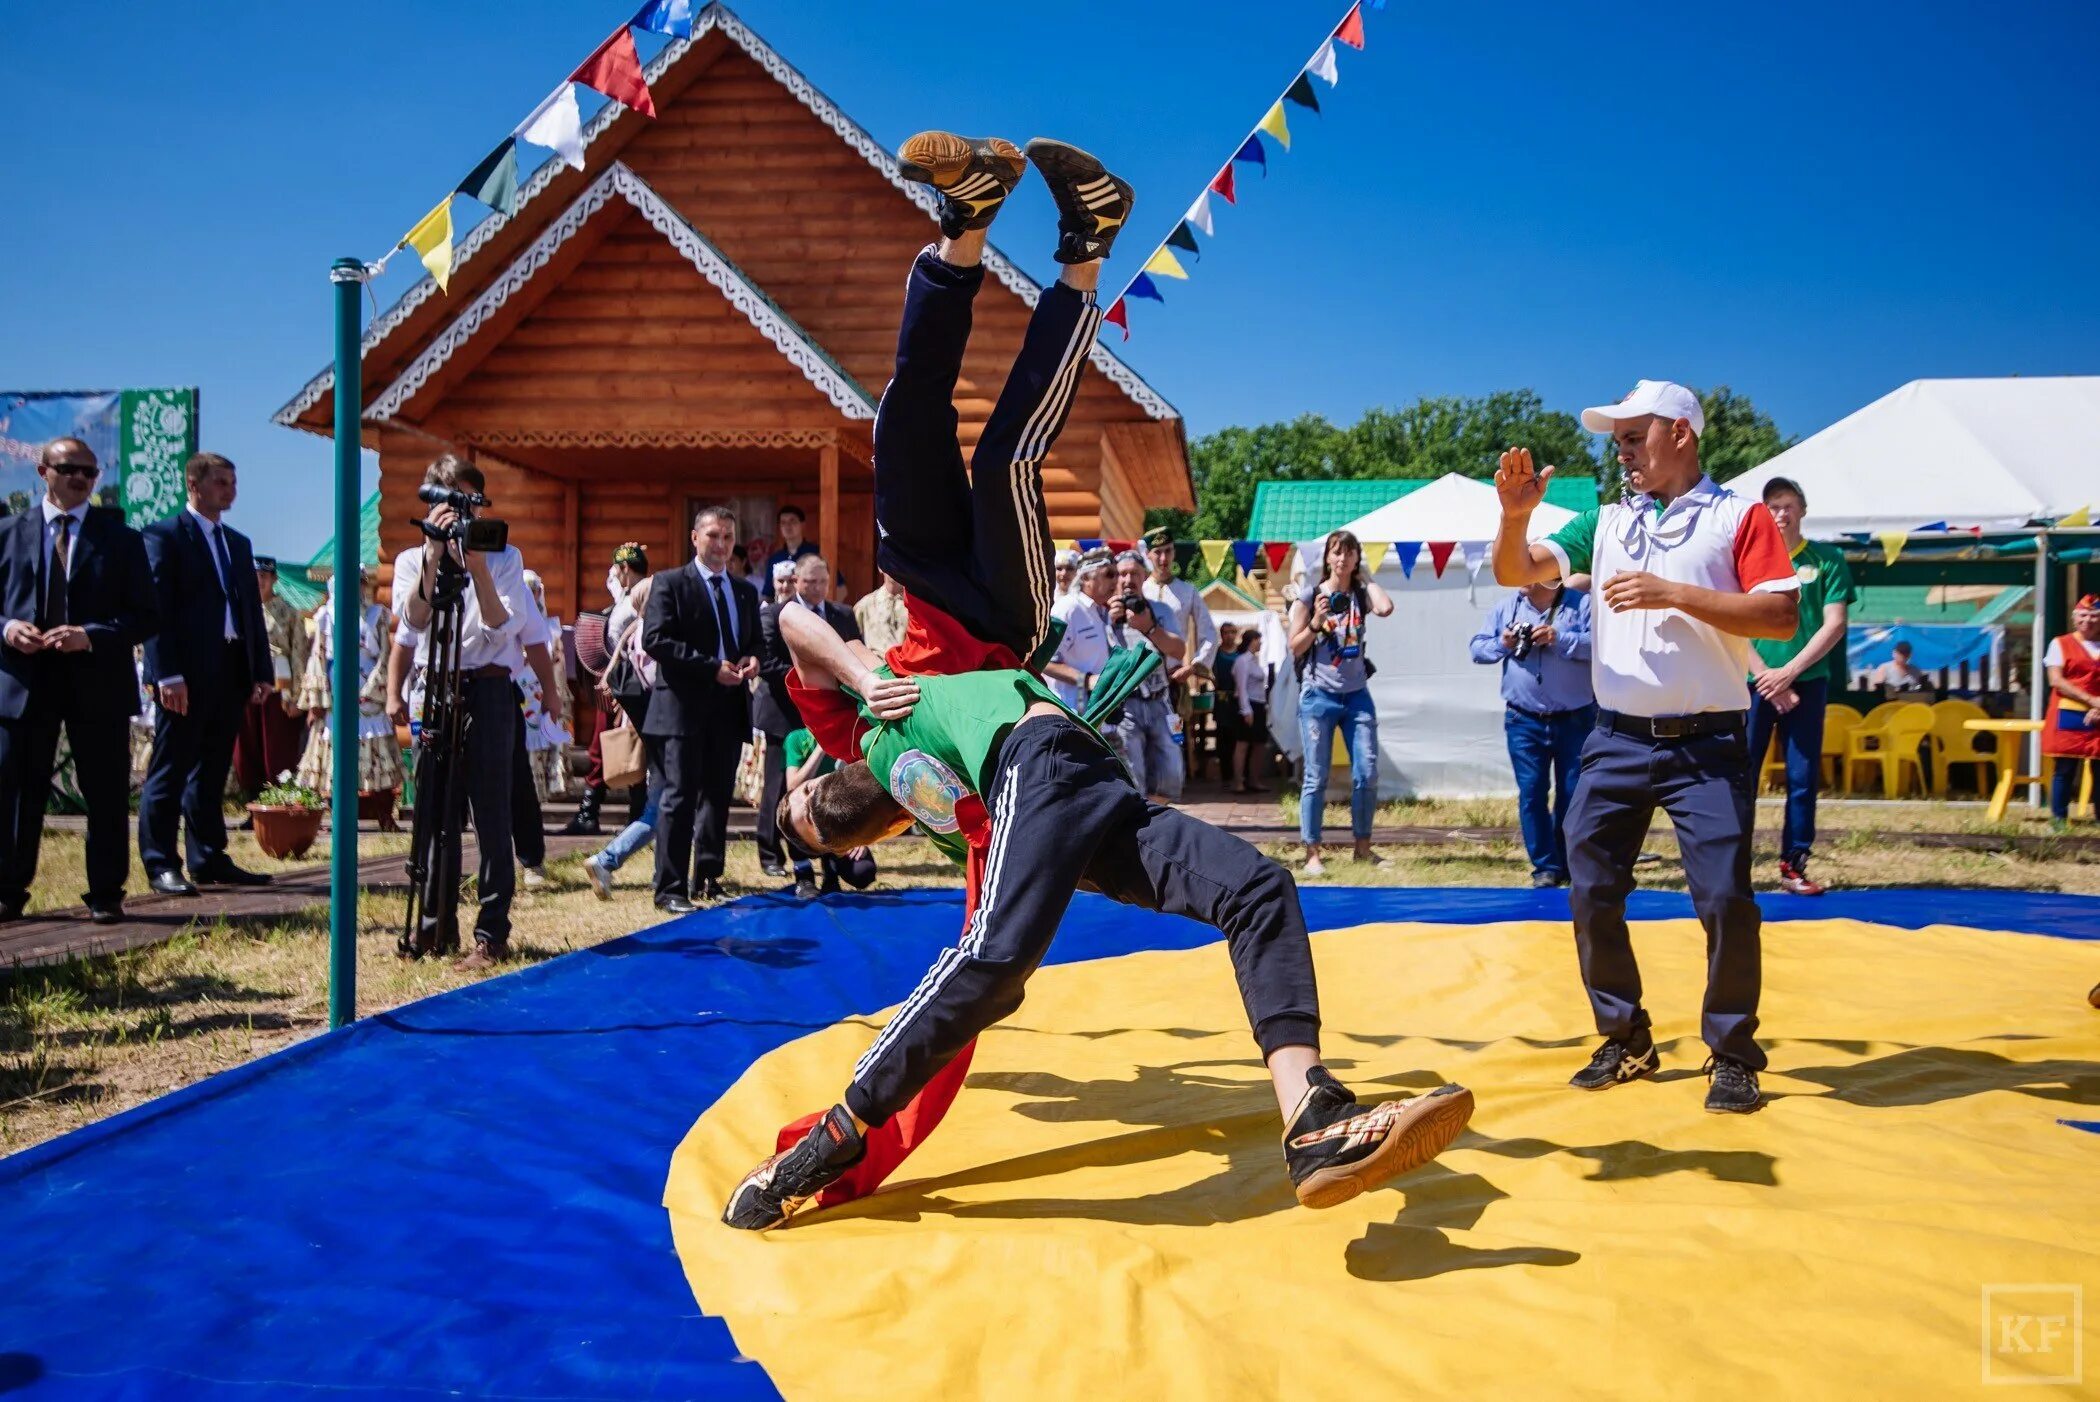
x: 348, y: 276
x: 2038, y: 684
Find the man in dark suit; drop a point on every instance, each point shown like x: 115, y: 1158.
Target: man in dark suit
x: 701, y: 628
x: 772, y: 710
x: 210, y: 659
x: 76, y: 598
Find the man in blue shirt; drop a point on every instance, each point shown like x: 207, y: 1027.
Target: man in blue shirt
x: 1541, y: 636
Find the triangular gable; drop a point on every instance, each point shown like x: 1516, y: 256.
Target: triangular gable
x: 717, y: 18
x: 618, y: 182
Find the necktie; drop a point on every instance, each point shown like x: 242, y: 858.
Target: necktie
x: 722, y: 615
x: 55, y: 598
x: 218, y: 541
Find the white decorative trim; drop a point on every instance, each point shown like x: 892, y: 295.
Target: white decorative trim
x: 714, y: 17
x: 771, y: 322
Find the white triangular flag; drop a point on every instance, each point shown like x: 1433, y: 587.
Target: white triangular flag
x: 557, y: 125
x: 1322, y: 65
x: 1475, y: 552
x: 1199, y: 213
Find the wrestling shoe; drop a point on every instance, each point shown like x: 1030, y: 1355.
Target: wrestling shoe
x: 1734, y: 1087
x: 1618, y: 1061
x: 1336, y: 1148
x: 972, y: 177
x: 777, y: 1188
x: 1092, y: 205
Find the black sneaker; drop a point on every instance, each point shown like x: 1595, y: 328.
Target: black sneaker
x: 1092, y: 205
x: 777, y: 1188
x: 1618, y: 1061
x: 973, y: 176
x: 1336, y: 1148
x: 1733, y: 1089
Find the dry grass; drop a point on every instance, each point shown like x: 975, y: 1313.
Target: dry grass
x: 83, y: 1040
x: 61, y: 870
x: 1835, y: 815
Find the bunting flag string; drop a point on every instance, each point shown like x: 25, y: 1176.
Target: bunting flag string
x: 1276, y: 552
x: 557, y: 124
x: 1246, y: 554
x: 671, y: 17
x: 1440, y: 555
x: 1215, y: 554
x: 431, y: 238
x: 1374, y: 555
x: 1475, y: 553
x: 615, y: 69
x: 1275, y: 125
x: 1892, y: 543
x: 2083, y: 516
x: 495, y: 181
x: 1409, y: 551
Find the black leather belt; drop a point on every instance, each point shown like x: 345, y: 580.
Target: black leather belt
x: 1539, y: 715
x: 484, y: 673
x: 1672, y: 727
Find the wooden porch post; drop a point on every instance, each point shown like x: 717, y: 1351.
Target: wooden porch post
x: 828, y: 501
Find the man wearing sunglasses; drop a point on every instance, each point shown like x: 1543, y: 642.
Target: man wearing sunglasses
x: 76, y: 597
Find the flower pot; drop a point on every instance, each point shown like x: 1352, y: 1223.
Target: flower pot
x: 284, y: 831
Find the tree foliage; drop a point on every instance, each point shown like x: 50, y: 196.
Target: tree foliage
x: 1428, y: 439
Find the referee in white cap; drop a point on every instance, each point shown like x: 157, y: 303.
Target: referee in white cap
x: 1687, y: 573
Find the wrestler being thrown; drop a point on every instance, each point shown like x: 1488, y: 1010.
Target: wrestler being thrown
x: 949, y: 731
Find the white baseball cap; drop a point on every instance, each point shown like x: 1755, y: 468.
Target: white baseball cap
x: 1671, y: 401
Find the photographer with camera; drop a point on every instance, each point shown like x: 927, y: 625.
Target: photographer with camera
x: 1148, y: 717
x: 462, y: 592
x: 1327, y: 637
x: 1540, y: 635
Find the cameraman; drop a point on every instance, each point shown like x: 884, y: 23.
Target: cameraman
x: 1541, y: 636
x: 496, y: 610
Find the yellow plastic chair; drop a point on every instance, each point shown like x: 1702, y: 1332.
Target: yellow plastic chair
x: 1771, y: 774
x: 1884, y: 711
x: 1838, y: 724
x: 1890, y: 746
x: 1953, y: 743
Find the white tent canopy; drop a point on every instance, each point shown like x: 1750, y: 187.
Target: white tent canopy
x: 1990, y: 453
x: 1439, y: 713
x: 1450, y: 508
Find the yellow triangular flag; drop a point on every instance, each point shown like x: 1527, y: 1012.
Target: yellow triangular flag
x: 1166, y: 265
x: 1374, y: 555
x: 432, y: 241
x: 1215, y: 554
x: 1892, y: 545
x: 1063, y: 545
x: 2083, y: 516
x: 1273, y: 124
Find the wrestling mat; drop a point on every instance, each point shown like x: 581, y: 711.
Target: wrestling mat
x: 467, y: 1197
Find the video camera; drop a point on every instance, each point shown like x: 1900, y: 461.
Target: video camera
x: 472, y: 532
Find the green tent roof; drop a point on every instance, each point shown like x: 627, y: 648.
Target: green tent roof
x: 1299, y: 511
x: 304, y: 586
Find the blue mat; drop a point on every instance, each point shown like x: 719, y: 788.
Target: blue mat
x: 462, y: 1197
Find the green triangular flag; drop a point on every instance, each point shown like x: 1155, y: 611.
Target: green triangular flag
x: 1184, y: 238
x: 495, y: 181
x: 1302, y: 93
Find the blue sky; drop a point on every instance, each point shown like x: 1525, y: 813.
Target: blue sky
x: 1813, y: 206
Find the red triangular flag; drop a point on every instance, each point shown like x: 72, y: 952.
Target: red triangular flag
x: 1352, y: 28
x: 1221, y: 185
x: 1276, y: 552
x: 616, y: 70
x: 1439, y: 550
x: 1117, y: 547
x: 1119, y: 315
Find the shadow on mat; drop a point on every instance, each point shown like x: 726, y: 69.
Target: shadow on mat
x: 1416, y: 1245
x: 786, y: 953
x: 19, y: 1370
x: 1931, y: 1075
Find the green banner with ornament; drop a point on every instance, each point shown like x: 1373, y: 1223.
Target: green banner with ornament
x: 157, y: 432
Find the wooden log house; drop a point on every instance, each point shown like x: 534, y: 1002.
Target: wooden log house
x: 706, y: 313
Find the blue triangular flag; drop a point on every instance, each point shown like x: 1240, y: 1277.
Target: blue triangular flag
x: 1409, y: 551
x: 1143, y: 286
x: 1089, y: 543
x: 1934, y: 526
x: 1253, y: 151
x: 672, y: 17
x: 1245, y: 553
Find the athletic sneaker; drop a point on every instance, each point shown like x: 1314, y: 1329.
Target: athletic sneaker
x: 532, y: 878
x: 1618, y: 1061
x: 972, y: 175
x: 1092, y: 205
x: 1314, y: 866
x: 595, y: 872
x: 1336, y: 1148
x: 777, y: 1188
x: 1797, y: 882
x: 1733, y: 1089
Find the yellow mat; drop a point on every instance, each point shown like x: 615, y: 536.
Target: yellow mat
x: 1105, y: 1214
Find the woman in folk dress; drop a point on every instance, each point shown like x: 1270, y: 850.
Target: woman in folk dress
x: 378, y: 752
x: 547, y: 735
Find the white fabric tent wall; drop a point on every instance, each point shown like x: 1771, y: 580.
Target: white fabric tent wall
x: 1991, y: 453
x: 1439, y: 712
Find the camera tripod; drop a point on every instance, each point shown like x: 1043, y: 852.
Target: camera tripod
x: 432, y: 924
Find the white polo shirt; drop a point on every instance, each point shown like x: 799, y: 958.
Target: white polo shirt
x: 1084, y: 646
x: 1663, y: 662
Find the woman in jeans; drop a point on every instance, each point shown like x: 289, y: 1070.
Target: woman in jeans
x: 1327, y: 634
